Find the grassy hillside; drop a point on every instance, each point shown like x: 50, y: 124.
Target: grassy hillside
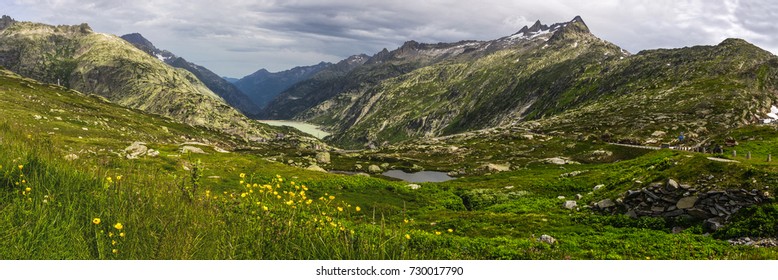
x: 69, y: 191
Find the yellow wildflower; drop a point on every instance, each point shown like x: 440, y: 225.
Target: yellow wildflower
x: 405, y: 221
x: 113, y: 242
x: 21, y: 166
x: 358, y: 209
x: 121, y: 234
x: 27, y: 189
x: 96, y: 221
x: 278, y: 196
x: 242, y: 175
x: 340, y: 209
x: 115, y: 251
x: 241, y: 182
x: 450, y: 230
x: 118, y: 177
x: 265, y: 208
x: 109, y: 179
x: 118, y: 226
x: 309, y: 201
x: 110, y: 234
x: 332, y: 197
x: 407, y: 236
x: 243, y: 195
x: 290, y: 202
x: 437, y: 233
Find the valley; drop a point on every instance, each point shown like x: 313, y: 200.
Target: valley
x: 529, y: 146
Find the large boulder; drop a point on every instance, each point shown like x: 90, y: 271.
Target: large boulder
x: 191, y: 149
x: 135, y: 150
x: 374, y: 169
x: 323, y: 157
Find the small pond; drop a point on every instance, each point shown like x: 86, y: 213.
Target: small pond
x: 419, y: 177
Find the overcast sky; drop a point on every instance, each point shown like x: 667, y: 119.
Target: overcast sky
x: 236, y: 38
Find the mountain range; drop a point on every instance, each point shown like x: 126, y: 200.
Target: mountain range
x: 548, y: 78
x: 263, y: 86
x: 557, y: 78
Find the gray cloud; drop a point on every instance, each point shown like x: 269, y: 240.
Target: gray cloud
x: 236, y: 38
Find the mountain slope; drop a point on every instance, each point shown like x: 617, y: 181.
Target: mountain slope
x: 656, y: 95
x: 554, y: 79
x: 463, y: 86
x: 262, y: 86
x: 229, y: 92
x: 81, y: 59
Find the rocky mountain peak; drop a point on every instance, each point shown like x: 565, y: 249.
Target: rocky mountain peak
x: 138, y: 40
x: 6, y: 21
x: 538, y: 28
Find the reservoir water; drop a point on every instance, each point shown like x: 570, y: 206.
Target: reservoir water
x: 419, y: 177
x: 301, y: 126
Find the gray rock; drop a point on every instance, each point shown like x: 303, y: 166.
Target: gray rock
x: 135, y: 150
x: 597, y: 187
x: 571, y: 204
x: 677, y: 230
x: 560, y: 197
x: 698, y: 213
x: 686, y: 202
x: 578, y: 196
x: 547, y: 239
x: 674, y: 213
x: 672, y: 184
x: 323, y: 157
x: 713, y: 224
x: 413, y: 186
x: 152, y: 153
x: 491, y: 167
x: 605, y: 203
x: 555, y: 160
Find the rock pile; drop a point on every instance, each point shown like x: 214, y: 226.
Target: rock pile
x: 672, y: 200
x: 756, y: 242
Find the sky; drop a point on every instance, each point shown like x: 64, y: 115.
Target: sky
x: 235, y: 38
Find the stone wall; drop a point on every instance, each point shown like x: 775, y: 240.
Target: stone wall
x: 671, y: 200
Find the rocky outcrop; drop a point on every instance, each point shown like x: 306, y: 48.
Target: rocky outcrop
x: 671, y: 200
